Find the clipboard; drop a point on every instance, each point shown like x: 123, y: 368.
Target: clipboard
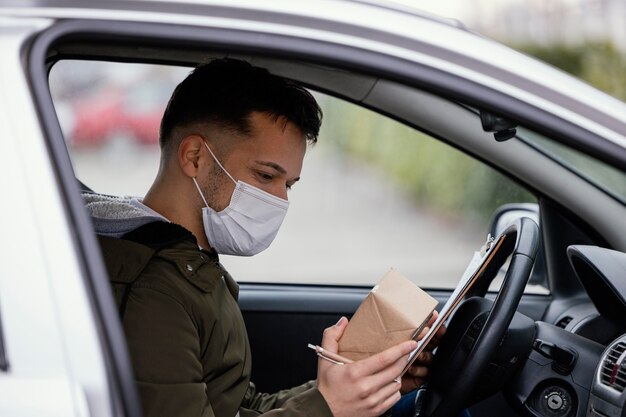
x: 477, y: 266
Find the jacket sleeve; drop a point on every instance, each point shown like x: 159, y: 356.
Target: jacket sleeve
x: 263, y: 402
x: 308, y: 403
x: 163, y: 346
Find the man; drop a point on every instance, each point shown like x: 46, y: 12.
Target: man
x: 233, y: 139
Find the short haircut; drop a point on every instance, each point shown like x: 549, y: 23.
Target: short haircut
x: 225, y: 91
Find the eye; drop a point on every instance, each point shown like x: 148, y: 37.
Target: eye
x: 264, y: 176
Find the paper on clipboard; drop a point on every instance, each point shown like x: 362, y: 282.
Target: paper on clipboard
x: 475, y: 268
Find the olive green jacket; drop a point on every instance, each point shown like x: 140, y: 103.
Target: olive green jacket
x: 185, y: 333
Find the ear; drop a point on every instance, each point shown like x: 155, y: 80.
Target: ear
x: 190, y: 154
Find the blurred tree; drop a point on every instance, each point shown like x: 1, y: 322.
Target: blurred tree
x: 600, y: 64
x: 440, y: 178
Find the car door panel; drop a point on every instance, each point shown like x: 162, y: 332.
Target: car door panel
x: 282, y: 319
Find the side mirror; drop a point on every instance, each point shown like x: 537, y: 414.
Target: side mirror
x: 508, y: 213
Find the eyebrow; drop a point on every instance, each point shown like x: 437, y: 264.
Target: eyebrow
x: 273, y: 165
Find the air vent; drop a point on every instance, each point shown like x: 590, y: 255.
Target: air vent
x: 613, y: 371
x: 564, y: 322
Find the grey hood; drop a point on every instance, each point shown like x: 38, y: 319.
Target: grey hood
x: 116, y: 216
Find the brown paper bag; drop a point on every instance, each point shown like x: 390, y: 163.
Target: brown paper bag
x: 394, y: 311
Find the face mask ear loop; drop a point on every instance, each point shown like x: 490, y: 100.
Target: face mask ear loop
x: 218, y: 163
x: 201, y: 195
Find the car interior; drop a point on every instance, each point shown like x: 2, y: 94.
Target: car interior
x: 541, y: 335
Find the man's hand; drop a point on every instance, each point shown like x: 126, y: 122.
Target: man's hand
x: 364, y: 388
x: 415, y: 376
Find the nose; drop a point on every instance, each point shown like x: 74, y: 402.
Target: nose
x: 279, y: 189
x: 283, y: 193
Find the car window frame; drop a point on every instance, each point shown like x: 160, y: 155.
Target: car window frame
x: 4, y: 360
x: 349, y: 58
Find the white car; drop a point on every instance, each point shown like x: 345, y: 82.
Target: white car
x: 554, y: 347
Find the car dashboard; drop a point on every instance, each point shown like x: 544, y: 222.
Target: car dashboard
x: 577, y: 363
x: 602, y: 272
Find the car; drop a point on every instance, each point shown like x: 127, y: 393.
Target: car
x: 419, y: 111
x: 110, y: 114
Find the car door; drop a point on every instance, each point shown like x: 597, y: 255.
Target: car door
x: 59, y: 355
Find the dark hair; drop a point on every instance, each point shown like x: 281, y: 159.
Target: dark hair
x: 227, y: 90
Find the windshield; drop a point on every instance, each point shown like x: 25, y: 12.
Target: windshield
x: 609, y: 179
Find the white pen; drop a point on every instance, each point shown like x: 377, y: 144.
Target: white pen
x: 335, y: 358
x: 330, y: 356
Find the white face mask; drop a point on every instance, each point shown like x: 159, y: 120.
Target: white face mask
x: 250, y: 222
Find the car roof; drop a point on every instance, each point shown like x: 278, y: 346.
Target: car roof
x: 388, y: 30
x: 157, y: 5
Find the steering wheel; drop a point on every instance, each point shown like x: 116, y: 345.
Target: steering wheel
x: 446, y: 398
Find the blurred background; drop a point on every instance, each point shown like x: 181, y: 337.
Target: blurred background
x: 375, y: 194
x: 586, y: 38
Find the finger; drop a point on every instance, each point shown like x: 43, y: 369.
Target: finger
x: 436, y: 339
x: 417, y: 372
x: 424, y: 358
x: 332, y: 334
x: 382, y: 395
x: 410, y: 383
x: 423, y: 333
x: 433, y: 318
x: 391, y: 373
x: 387, y: 404
x: 385, y: 359
x: 390, y: 402
x: 426, y: 328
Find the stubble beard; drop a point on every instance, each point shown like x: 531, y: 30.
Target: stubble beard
x: 214, y: 189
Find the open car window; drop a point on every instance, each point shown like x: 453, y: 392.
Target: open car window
x: 374, y: 193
